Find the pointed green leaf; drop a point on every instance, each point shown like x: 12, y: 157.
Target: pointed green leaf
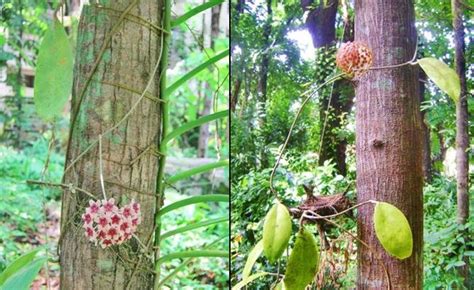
x: 195, y: 71
x: 280, y: 286
x: 303, y: 261
x: 276, y: 232
x: 197, y: 170
x: 249, y: 279
x: 252, y: 258
x: 193, y: 124
x: 195, y: 11
x: 442, y: 75
x: 192, y: 254
x: 16, y: 265
x: 53, y: 77
x: 22, y: 279
x: 193, y: 200
x: 393, y: 230
x: 194, y: 226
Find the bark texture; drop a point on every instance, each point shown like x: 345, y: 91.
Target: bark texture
x: 462, y: 130
x: 128, y: 61
x: 388, y: 139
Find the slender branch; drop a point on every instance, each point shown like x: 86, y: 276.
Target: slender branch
x: 339, y: 213
x: 101, y: 171
x: 71, y: 187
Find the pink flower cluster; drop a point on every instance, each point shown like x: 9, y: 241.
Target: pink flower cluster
x: 107, y: 224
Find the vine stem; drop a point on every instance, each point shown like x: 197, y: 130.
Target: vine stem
x: 300, y: 110
x: 316, y: 217
x: 101, y: 170
x: 160, y: 186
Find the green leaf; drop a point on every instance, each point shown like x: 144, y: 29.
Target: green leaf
x: 252, y: 258
x: 443, y: 76
x: 185, y: 263
x: 393, y: 230
x: 22, y: 279
x: 16, y: 265
x: 249, y: 279
x: 195, y: 11
x: 192, y: 254
x: 276, y: 232
x: 197, y: 170
x: 195, y: 71
x: 280, y: 286
x: 54, y: 73
x: 193, y: 124
x: 303, y: 261
x: 194, y: 226
x: 193, y: 200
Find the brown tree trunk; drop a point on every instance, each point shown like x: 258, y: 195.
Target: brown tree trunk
x: 234, y: 95
x: 462, y: 131
x: 321, y: 24
x: 208, y: 96
x: 128, y: 61
x: 263, y: 161
x: 388, y: 139
x: 427, y: 166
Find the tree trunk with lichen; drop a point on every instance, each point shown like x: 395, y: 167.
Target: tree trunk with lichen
x: 388, y: 139
x: 125, y: 66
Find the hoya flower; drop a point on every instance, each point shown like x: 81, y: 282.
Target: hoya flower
x: 107, y: 224
x: 354, y: 58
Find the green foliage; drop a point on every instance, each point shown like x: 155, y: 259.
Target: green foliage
x: 442, y: 75
x: 393, y: 230
x: 303, y: 261
x: 21, y: 209
x: 445, y: 245
x: 276, y: 232
x: 21, y: 273
x: 53, y: 78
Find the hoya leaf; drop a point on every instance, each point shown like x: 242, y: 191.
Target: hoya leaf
x: 303, y: 261
x: 253, y: 256
x: 276, y: 232
x: 393, y: 230
x: 22, y: 279
x: 249, y: 279
x: 197, y: 170
x: 16, y: 265
x: 53, y: 77
x: 442, y: 75
x: 280, y: 286
x: 195, y: 11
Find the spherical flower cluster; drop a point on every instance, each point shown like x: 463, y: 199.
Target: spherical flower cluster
x: 107, y: 224
x: 354, y: 58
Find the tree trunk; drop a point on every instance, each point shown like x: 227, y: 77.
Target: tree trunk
x: 234, y: 96
x: 462, y: 131
x: 263, y: 161
x: 427, y: 166
x: 388, y: 139
x: 321, y: 24
x: 208, y: 96
x: 128, y: 61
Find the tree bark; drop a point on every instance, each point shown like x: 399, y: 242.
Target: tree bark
x: 234, y: 95
x: 388, y: 139
x: 462, y: 130
x: 128, y: 61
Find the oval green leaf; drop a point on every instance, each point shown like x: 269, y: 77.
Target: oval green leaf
x: 22, y: 278
x: 303, y: 261
x: 393, y: 230
x: 54, y: 73
x: 276, y: 232
x: 442, y: 75
x: 252, y: 258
